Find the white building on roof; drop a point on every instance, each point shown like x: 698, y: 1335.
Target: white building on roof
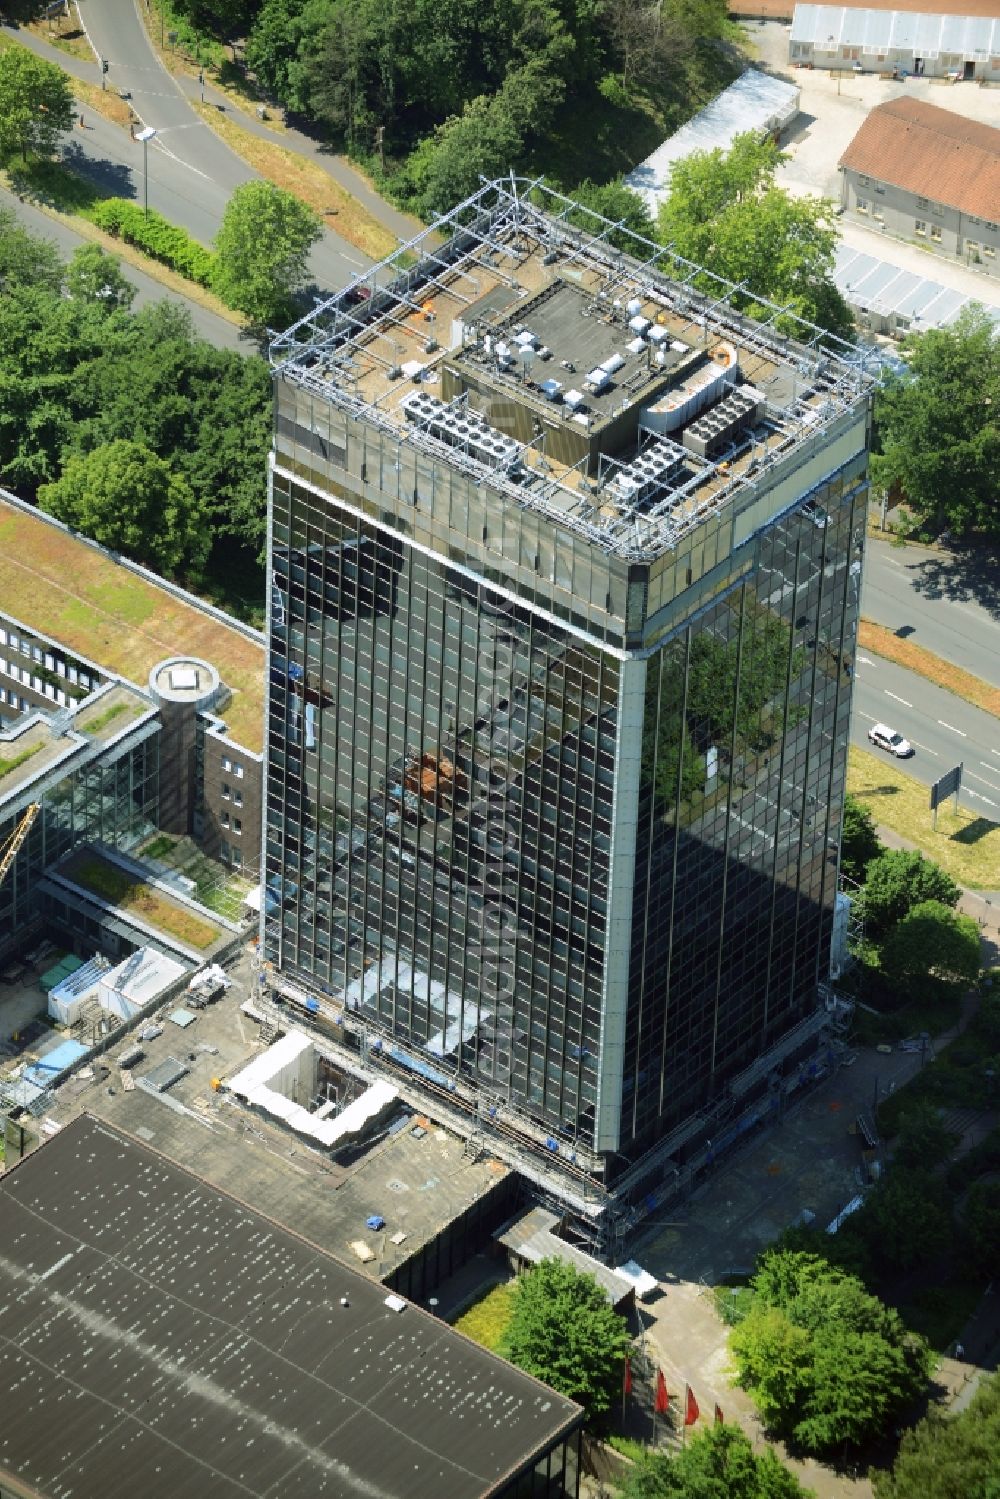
x: 755, y: 102
x: 931, y: 44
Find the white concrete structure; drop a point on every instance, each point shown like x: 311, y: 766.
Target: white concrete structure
x: 755, y: 102
x: 275, y: 1081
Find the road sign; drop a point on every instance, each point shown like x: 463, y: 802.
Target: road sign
x: 948, y: 785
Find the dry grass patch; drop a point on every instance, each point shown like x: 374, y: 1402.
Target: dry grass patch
x: 885, y: 642
x: 306, y: 181
x: 97, y: 608
x: 966, y: 846
x: 67, y: 37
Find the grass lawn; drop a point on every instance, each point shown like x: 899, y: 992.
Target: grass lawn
x: 60, y: 586
x: 885, y: 642
x: 967, y: 846
x: 487, y: 1320
x: 128, y: 894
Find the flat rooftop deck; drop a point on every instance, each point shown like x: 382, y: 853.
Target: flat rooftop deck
x: 417, y: 1184
x: 582, y: 358
x: 65, y: 589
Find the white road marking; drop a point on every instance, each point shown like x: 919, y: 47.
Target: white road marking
x: 991, y: 784
x: 865, y: 661
x: 960, y: 732
x: 865, y: 715
x: 897, y: 697
x: 979, y: 797
x: 923, y: 747
x: 986, y: 764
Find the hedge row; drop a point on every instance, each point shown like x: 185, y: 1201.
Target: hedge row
x: 155, y: 236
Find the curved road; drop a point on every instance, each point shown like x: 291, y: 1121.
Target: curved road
x: 192, y: 173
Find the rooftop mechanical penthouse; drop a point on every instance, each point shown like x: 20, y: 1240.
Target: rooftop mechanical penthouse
x: 566, y: 563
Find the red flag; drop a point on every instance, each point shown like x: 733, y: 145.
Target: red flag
x: 628, y: 1375
x: 719, y: 1418
x: 662, y: 1398
x: 691, y: 1412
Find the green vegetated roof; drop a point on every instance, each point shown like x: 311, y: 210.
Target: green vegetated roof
x: 92, y: 605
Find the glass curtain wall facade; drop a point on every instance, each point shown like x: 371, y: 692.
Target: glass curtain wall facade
x: 589, y: 883
x: 101, y: 802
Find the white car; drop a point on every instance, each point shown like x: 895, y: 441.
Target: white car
x: 885, y: 738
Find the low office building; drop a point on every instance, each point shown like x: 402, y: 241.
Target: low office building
x: 926, y: 174
x: 200, y: 1348
x: 126, y: 709
x: 957, y: 39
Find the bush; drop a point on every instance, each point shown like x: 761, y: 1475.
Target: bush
x: 155, y: 236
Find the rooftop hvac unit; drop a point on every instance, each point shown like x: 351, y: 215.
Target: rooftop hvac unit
x: 657, y: 335
x: 636, y: 346
x: 638, y: 323
x: 612, y: 364
x: 633, y: 307
x: 597, y: 380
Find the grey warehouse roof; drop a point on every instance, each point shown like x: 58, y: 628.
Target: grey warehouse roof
x: 873, y: 285
x: 159, y: 1338
x: 755, y: 101
x: 925, y: 34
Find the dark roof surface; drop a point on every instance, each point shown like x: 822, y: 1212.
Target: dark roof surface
x: 930, y: 151
x: 159, y: 1338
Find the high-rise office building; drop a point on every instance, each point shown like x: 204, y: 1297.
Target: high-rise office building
x: 566, y: 557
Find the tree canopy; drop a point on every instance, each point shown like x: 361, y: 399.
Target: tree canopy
x: 938, y: 427
x: 262, y: 250
x: 932, y: 942
x: 949, y: 1457
x: 860, y: 843
x: 36, y: 104
x: 564, y: 1331
x: 716, y: 1464
x: 896, y: 881
x: 128, y: 499
x: 825, y: 1362
x: 81, y: 371
x: 725, y: 213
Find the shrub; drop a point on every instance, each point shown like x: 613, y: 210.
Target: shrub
x: 155, y: 236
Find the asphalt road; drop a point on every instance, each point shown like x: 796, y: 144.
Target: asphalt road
x: 192, y: 173
x: 934, y: 599
x: 943, y: 729
x: 219, y: 331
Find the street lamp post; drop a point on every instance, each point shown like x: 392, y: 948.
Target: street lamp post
x: 145, y: 135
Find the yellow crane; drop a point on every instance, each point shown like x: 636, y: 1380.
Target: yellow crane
x: 9, y: 850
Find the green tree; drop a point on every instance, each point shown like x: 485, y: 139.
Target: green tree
x: 922, y: 1142
x: 981, y: 1220
x: 826, y: 1362
x: 262, y: 250
x: 949, y: 1457
x: 938, y: 426
x: 716, y: 1464
x: 564, y: 1332
x: 932, y: 942
x: 860, y: 843
x: 725, y: 214
x: 94, y: 276
x: 26, y: 260
x: 896, y: 881
x: 905, y: 1222
x: 619, y: 204
x: 36, y: 104
x: 127, y: 498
